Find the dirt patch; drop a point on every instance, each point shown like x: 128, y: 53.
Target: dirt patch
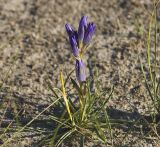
x: 34, y: 48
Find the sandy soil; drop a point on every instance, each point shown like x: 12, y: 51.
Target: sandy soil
x: 34, y: 47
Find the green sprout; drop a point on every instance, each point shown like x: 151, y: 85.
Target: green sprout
x: 153, y: 82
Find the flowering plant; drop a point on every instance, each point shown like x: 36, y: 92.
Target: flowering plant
x: 81, y: 109
x: 79, y: 41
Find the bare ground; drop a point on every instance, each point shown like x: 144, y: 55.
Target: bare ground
x: 34, y: 47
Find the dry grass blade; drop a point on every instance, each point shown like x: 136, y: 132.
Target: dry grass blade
x: 65, y: 97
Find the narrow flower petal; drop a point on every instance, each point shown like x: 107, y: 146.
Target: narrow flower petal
x: 74, y: 46
x: 80, y: 71
x: 89, y: 33
x: 82, y: 27
x: 69, y: 29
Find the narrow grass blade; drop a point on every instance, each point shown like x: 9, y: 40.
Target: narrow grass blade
x: 18, y: 132
x: 56, y: 130
x: 68, y: 77
x: 54, y: 92
x: 99, y: 131
x: 108, y: 124
x: 149, y: 47
x: 84, y: 108
x: 73, y: 106
x: 76, y: 86
x: 79, y: 90
x: 146, y: 81
x: 148, y: 88
x: 65, y: 97
x: 64, y: 137
x: 158, y: 85
x: 104, y: 103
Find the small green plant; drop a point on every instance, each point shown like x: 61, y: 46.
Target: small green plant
x: 83, y: 111
x: 153, y: 80
x: 83, y: 114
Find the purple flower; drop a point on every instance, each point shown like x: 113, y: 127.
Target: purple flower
x: 73, y: 37
x: 82, y: 28
x: 80, y: 71
x: 74, y: 46
x: 79, y: 41
x: 89, y: 33
x: 83, y: 36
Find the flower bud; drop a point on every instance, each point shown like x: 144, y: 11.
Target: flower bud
x: 80, y: 71
x: 82, y: 28
x: 74, y: 46
x: 89, y: 33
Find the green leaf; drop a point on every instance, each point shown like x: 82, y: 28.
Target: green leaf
x: 67, y: 134
x: 104, y: 103
x: 99, y: 131
x: 73, y: 106
x: 158, y: 85
x: 108, y: 124
x: 76, y: 86
x: 55, y: 94
x: 68, y: 77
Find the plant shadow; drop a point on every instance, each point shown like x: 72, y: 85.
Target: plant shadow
x: 127, y: 121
